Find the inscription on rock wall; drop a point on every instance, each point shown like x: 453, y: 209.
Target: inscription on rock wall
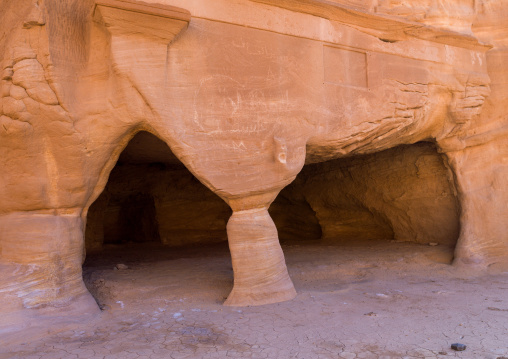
x: 344, y: 67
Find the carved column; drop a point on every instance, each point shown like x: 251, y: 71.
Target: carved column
x: 261, y: 276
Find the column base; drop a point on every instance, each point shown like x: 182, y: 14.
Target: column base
x: 41, y: 257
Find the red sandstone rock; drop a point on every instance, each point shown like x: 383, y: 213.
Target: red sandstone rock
x: 245, y: 94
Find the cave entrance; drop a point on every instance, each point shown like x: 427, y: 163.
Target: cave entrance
x: 404, y: 194
x: 152, y: 198
x: 155, y: 233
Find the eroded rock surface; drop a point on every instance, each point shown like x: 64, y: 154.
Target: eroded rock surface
x: 245, y: 94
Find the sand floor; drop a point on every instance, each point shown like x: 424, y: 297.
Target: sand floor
x: 374, y: 299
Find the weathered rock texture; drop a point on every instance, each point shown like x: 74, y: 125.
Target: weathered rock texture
x: 404, y: 193
x: 245, y: 93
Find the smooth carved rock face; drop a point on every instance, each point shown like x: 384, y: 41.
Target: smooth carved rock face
x: 245, y: 94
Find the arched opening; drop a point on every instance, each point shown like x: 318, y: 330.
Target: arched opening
x: 404, y: 194
x: 152, y: 197
x: 152, y: 210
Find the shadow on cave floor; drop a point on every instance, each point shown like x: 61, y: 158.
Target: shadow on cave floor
x: 331, y: 250
x: 132, y: 253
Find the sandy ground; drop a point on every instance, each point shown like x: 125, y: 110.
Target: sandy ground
x: 375, y: 299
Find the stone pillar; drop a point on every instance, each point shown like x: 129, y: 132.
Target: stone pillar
x: 481, y: 181
x: 261, y: 276
x: 43, y: 253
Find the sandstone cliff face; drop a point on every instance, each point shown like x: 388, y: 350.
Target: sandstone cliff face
x: 245, y: 94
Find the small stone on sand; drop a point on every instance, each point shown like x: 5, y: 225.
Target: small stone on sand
x: 458, y: 347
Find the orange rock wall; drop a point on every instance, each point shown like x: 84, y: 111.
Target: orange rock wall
x: 244, y: 93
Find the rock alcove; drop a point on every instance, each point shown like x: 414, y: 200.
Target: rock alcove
x: 152, y: 199
x: 405, y: 193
